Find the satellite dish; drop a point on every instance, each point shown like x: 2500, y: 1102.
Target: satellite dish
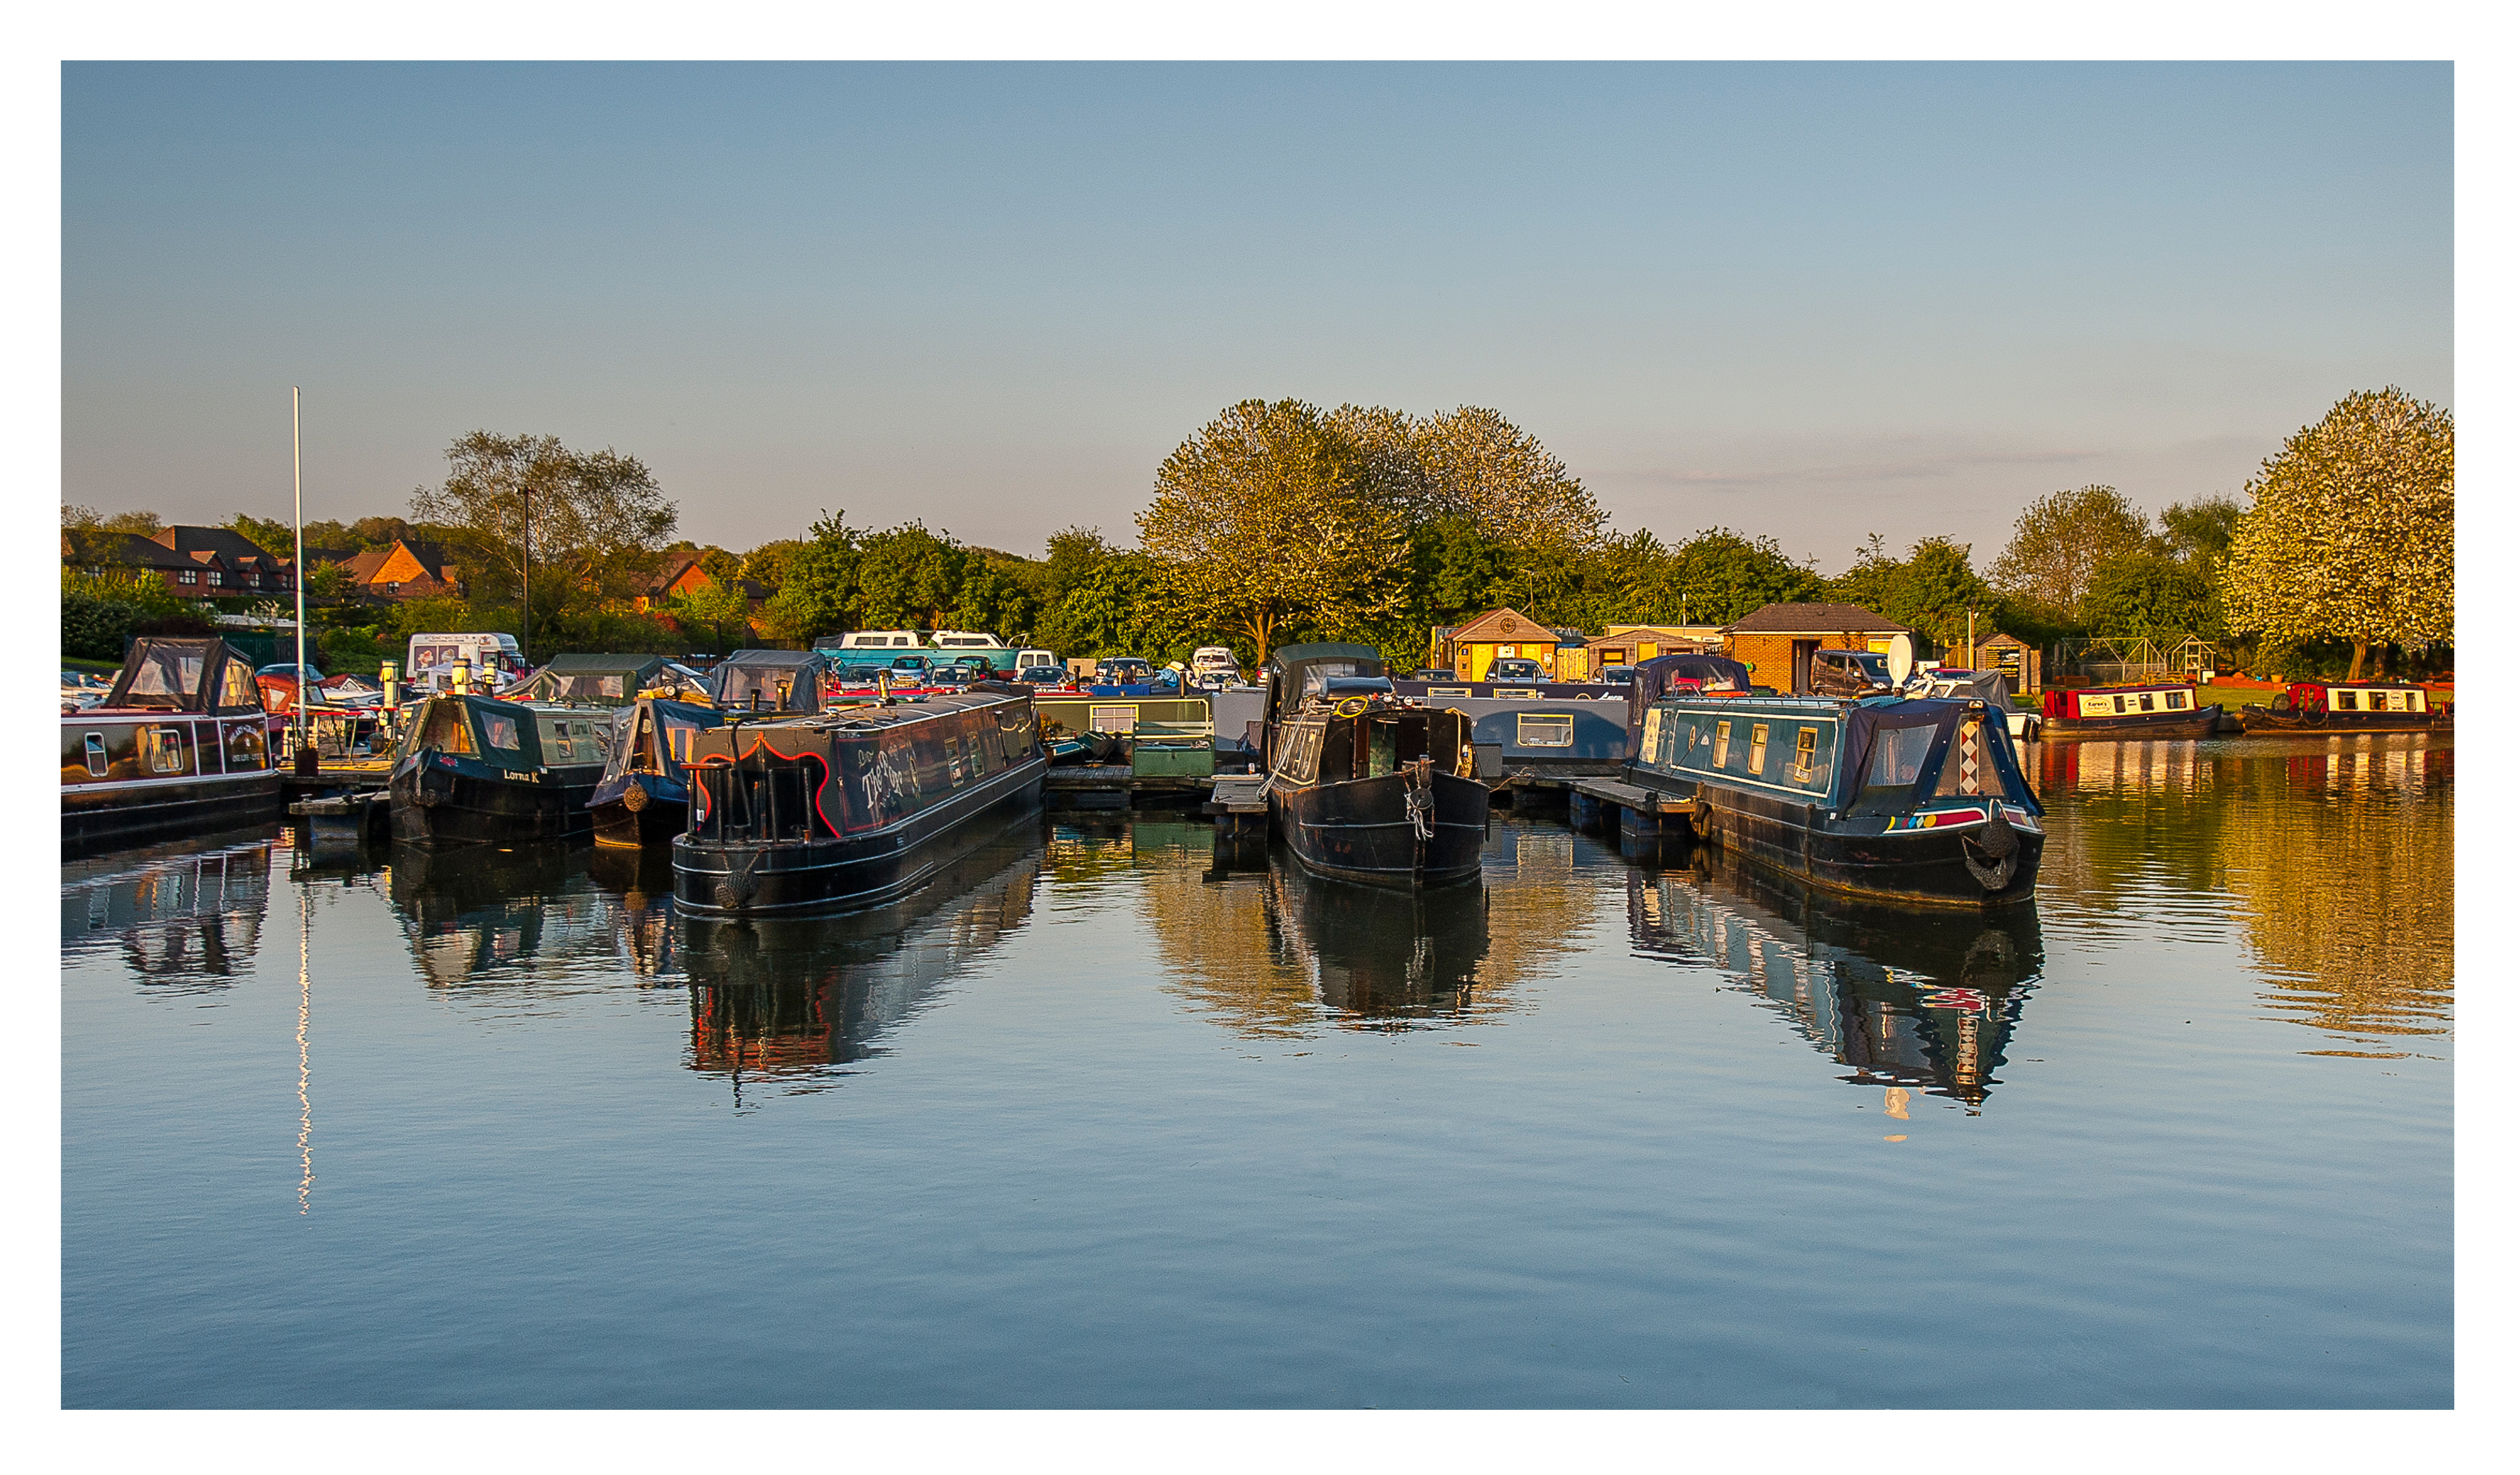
x: 1903, y: 659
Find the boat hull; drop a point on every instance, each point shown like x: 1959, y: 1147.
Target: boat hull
x: 1989, y: 863
x: 101, y: 816
x: 2149, y: 727
x: 440, y: 801
x: 1360, y: 829
x: 649, y: 810
x: 738, y: 878
x: 2338, y: 723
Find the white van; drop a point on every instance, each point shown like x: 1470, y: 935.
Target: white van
x: 496, y: 659
x: 1025, y: 660
x: 882, y: 639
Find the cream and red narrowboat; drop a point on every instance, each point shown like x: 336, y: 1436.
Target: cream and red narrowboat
x: 2163, y: 710
x: 179, y: 747
x: 2349, y: 706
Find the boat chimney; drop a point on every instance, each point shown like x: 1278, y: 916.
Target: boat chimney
x: 461, y: 678
x: 391, y: 676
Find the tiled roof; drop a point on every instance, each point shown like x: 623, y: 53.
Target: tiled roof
x: 1813, y: 620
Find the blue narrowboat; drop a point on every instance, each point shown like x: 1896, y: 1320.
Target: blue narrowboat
x: 1915, y: 800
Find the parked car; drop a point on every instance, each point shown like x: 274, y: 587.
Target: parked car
x: 1619, y: 676
x: 1042, y: 676
x: 911, y: 670
x: 1849, y: 674
x: 1122, y: 670
x: 1432, y: 673
x: 1516, y: 670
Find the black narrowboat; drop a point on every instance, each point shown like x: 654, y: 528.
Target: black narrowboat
x: 2160, y: 711
x: 1917, y: 801
x: 644, y: 798
x: 2349, y: 706
x: 1364, y: 786
x: 473, y: 770
x: 180, y: 747
x: 855, y: 807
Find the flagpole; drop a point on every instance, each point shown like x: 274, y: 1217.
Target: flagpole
x: 298, y: 479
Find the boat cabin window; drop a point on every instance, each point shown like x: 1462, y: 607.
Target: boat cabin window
x: 2120, y: 703
x: 96, y: 760
x: 1120, y: 717
x: 1543, y: 729
x: 499, y: 730
x: 446, y: 731
x: 1758, y: 747
x: 2144, y: 701
x: 1806, y: 744
x: 2342, y: 701
x: 236, y: 686
x: 2174, y: 700
x: 1723, y: 745
x: 1898, y: 759
x: 166, y: 749
x: 167, y: 677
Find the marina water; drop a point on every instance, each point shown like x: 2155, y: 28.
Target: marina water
x: 1106, y: 1118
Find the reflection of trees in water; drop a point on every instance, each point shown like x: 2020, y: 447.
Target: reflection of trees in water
x: 1274, y: 951
x: 184, y: 922
x: 1908, y: 997
x: 794, y: 999
x: 2336, y: 855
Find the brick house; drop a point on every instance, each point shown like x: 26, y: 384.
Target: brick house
x: 201, y: 563
x: 1775, y: 640
x: 409, y: 570
x: 681, y: 574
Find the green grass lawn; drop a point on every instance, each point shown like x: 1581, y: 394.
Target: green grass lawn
x: 100, y: 667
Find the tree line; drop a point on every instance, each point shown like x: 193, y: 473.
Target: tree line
x: 1279, y: 521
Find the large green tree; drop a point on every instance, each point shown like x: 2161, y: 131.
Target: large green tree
x: 1269, y: 515
x: 1933, y: 590
x: 597, y: 518
x: 2349, y: 534
x: 2059, y: 542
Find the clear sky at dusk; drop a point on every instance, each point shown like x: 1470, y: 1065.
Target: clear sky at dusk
x: 1805, y: 300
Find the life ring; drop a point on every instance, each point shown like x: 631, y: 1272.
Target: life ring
x: 1350, y: 706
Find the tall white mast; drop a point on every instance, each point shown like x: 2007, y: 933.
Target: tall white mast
x: 297, y: 570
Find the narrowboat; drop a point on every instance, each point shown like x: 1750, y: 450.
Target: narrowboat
x: 644, y: 798
x: 1917, y: 801
x: 474, y: 770
x: 178, y: 747
x: 2349, y: 706
x: 2088, y: 714
x: 1361, y: 786
x: 855, y: 807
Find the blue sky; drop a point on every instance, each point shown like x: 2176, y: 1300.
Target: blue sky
x: 1812, y: 302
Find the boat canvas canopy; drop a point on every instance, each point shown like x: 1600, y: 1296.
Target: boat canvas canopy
x: 654, y: 737
x: 1305, y: 670
x: 609, y: 680
x: 769, y: 681
x: 1661, y: 677
x: 185, y: 675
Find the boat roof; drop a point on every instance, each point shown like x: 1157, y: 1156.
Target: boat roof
x: 905, y: 709
x: 774, y: 658
x: 593, y: 665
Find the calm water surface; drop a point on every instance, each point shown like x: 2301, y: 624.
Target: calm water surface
x: 1095, y: 1122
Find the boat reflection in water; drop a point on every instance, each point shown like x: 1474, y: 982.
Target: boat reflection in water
x: 1269, y: 951
x: 797, y: 998
x: 524, y: 920
x: 184, y: 919
x: 1909, y: 1000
